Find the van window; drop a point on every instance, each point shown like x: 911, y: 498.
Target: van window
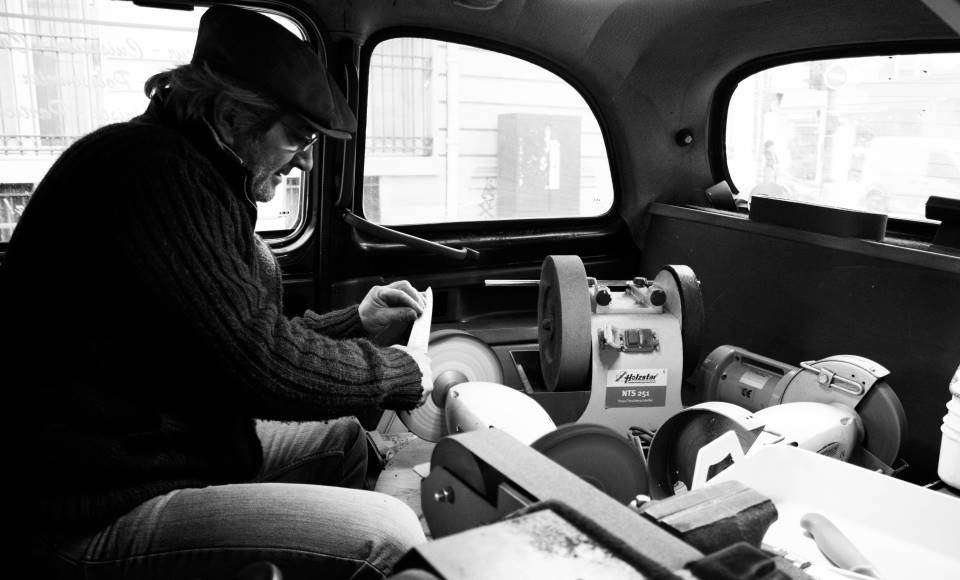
x: 67, y: 68
x: 456, y: 133
x: 876, y: 133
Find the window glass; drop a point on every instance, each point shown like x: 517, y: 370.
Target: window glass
x: 456, y: 133
x: 68, y: 67
x: 876, y: 133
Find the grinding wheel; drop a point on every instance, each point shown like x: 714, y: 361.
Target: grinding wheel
x: 455, y: 357
x: 880, y: 410
x: 672, y: 456
x: 884, y: 423
x: 563, y: 315
x: 685, y: 300
x: 598, y: 456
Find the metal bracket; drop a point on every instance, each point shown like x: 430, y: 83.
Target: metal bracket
x: 826, y: 378
x: 863, y: 373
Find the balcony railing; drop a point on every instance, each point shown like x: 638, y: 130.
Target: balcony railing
x: 13, y: 198
x: 21, y: 145
x: 400, y: 99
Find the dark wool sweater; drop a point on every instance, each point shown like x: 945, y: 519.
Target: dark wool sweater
x: 145, y: 332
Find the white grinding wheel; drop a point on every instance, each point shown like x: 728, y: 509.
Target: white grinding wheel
x: 455, y: 357
x: 454, y: 350
x: 563, y: 318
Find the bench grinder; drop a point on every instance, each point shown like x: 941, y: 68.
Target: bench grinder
x: 839, y: 406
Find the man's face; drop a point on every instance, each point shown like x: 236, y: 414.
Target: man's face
x: 272, y: 155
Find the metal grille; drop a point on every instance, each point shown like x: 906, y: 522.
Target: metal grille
x: 13, y: 199
x: 399, y: 115
x: 11, y: 145
x: 50, y: 63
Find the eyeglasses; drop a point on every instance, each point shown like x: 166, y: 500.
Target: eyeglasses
x: 305, y: 141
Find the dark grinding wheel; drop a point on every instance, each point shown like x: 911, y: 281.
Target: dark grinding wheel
x: 685, y: 300
x: 563, y: 316
x: 599, y: 456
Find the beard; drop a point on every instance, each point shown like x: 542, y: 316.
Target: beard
x: 263, y: 183
x: 264, y: 165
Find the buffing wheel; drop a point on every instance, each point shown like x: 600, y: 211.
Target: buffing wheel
x: 452, y: 354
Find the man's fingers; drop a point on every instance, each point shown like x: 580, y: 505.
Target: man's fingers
x: 393, y: 297
x: 408, y: 289
x: 403, y: 314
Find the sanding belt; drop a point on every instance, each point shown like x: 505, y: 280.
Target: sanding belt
x: 726, y: 521
x: 542, y: 479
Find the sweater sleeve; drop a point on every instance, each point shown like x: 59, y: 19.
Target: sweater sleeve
x: 185, y: 238
x: 342, y: 323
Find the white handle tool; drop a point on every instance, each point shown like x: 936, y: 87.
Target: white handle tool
x: 836, y: 546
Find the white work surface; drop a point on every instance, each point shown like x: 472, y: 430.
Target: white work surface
x: 906, y: 531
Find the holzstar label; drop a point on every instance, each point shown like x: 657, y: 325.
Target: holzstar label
x: 636, y: 388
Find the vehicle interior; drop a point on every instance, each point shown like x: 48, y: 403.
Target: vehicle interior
x: 705, y: 166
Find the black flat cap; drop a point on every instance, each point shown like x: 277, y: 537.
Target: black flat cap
x: 262, y: 54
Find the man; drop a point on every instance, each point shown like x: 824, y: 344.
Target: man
x: 165, y: 419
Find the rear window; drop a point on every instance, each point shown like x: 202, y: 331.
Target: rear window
x: 878, y: 133
x: 68, y: 67
x: 456, y: 133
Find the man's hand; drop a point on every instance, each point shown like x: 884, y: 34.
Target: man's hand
x: 386, y: 305
x: 423, y: 361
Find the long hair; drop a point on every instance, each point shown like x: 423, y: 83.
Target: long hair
x: 191, y: 92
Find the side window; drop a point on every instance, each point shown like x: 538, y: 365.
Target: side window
x: 456, y: 133
x: 68, y: 67
x: 876, y: 133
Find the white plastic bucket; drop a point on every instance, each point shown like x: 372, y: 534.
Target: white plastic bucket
x: 948, y: 468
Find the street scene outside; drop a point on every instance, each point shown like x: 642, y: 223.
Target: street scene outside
x: 456, y: 133
x: 879, y: 133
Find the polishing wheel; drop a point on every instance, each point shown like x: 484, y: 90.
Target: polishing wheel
x: 455, y: 357
x: 599, y: 456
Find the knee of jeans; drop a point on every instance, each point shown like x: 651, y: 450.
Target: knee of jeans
x: 349, y: 431
x: 356, y: 440
x: 401, y: 529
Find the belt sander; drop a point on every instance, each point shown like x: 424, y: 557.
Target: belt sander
x: 496, y: 508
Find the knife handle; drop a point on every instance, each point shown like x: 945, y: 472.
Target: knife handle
x: 836, y: 546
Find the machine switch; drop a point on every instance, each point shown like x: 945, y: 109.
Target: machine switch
x: 628, y: 339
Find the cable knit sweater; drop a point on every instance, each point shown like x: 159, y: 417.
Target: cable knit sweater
x: 145, y: 332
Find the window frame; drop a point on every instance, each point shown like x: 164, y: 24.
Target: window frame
x: 284, y: 242
x: 453, y: 232
x: 896, y: 227
x: 281, y: 241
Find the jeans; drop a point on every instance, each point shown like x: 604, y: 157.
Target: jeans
x: 295, y: 514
